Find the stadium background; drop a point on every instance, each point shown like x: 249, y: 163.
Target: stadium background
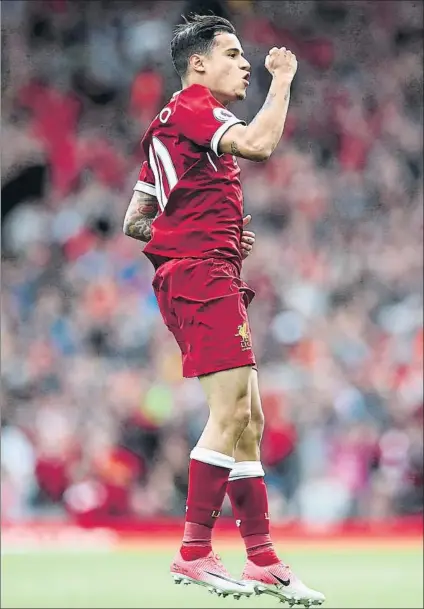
x: 96, y: 420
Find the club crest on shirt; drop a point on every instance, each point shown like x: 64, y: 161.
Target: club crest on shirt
x: 222, y: 115
x: 244, y: 334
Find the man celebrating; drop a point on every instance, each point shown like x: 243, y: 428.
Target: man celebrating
x: 188, y: 206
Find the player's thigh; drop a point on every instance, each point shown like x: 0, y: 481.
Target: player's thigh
x: 228, y: 392
x: 257, y: 416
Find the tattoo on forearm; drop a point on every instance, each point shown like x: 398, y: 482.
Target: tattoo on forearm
x: 141, y: 229
x: 236, y: 151
x: 140, y: 215
x: 269, y: 99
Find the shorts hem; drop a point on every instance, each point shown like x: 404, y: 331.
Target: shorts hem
x: 217, y: 368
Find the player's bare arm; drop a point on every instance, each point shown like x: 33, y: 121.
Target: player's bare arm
x: 259, y: 139
x: 141, y: 212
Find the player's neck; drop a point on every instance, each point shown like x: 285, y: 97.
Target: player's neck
x: 185, y: 85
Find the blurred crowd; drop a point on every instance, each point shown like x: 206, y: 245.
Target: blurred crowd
x: 96, y: 418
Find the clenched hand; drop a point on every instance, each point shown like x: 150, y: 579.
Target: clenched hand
x: 247, y: 239
x: 281, y: 63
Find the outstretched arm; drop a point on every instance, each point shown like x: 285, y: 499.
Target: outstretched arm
x: 259, y: 139
x: 141, y: 212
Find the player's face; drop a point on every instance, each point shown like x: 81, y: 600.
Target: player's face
x: 227, y: 71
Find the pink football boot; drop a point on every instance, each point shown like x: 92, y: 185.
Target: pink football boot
x: 280, y: 581
x: 211, y: 573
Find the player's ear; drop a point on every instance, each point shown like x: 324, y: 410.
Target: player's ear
x: 197, y: 63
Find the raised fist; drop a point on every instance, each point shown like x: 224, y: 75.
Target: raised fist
x: 281, y: 62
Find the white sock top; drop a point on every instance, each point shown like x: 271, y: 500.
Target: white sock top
x: 205, y: 455
x: 247, y: 469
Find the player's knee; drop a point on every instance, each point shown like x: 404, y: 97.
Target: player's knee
x: 242, y: 410
x: 257, y: 424
x: 249, y: 443
x: 234, y: 418
x: 229, y: 397
x: 242, y: 414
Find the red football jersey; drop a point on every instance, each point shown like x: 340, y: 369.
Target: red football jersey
x: 198, y: 190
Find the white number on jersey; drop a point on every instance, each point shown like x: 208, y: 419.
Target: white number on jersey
x: 161, y: 164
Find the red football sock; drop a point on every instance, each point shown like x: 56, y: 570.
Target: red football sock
x: 249, y: 500
x: 207, y: 486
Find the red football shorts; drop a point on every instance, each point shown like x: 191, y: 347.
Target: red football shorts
x: 204, y: 304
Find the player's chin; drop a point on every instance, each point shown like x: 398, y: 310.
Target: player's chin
x: 241, y: 95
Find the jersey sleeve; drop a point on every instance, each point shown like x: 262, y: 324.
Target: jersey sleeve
x: 146, y: 180
x: 202, y: 119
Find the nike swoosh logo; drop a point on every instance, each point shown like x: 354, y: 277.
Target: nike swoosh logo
x: 285, y: 582
x: 232, y: 581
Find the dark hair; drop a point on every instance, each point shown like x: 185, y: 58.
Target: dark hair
x: 196, y: 35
